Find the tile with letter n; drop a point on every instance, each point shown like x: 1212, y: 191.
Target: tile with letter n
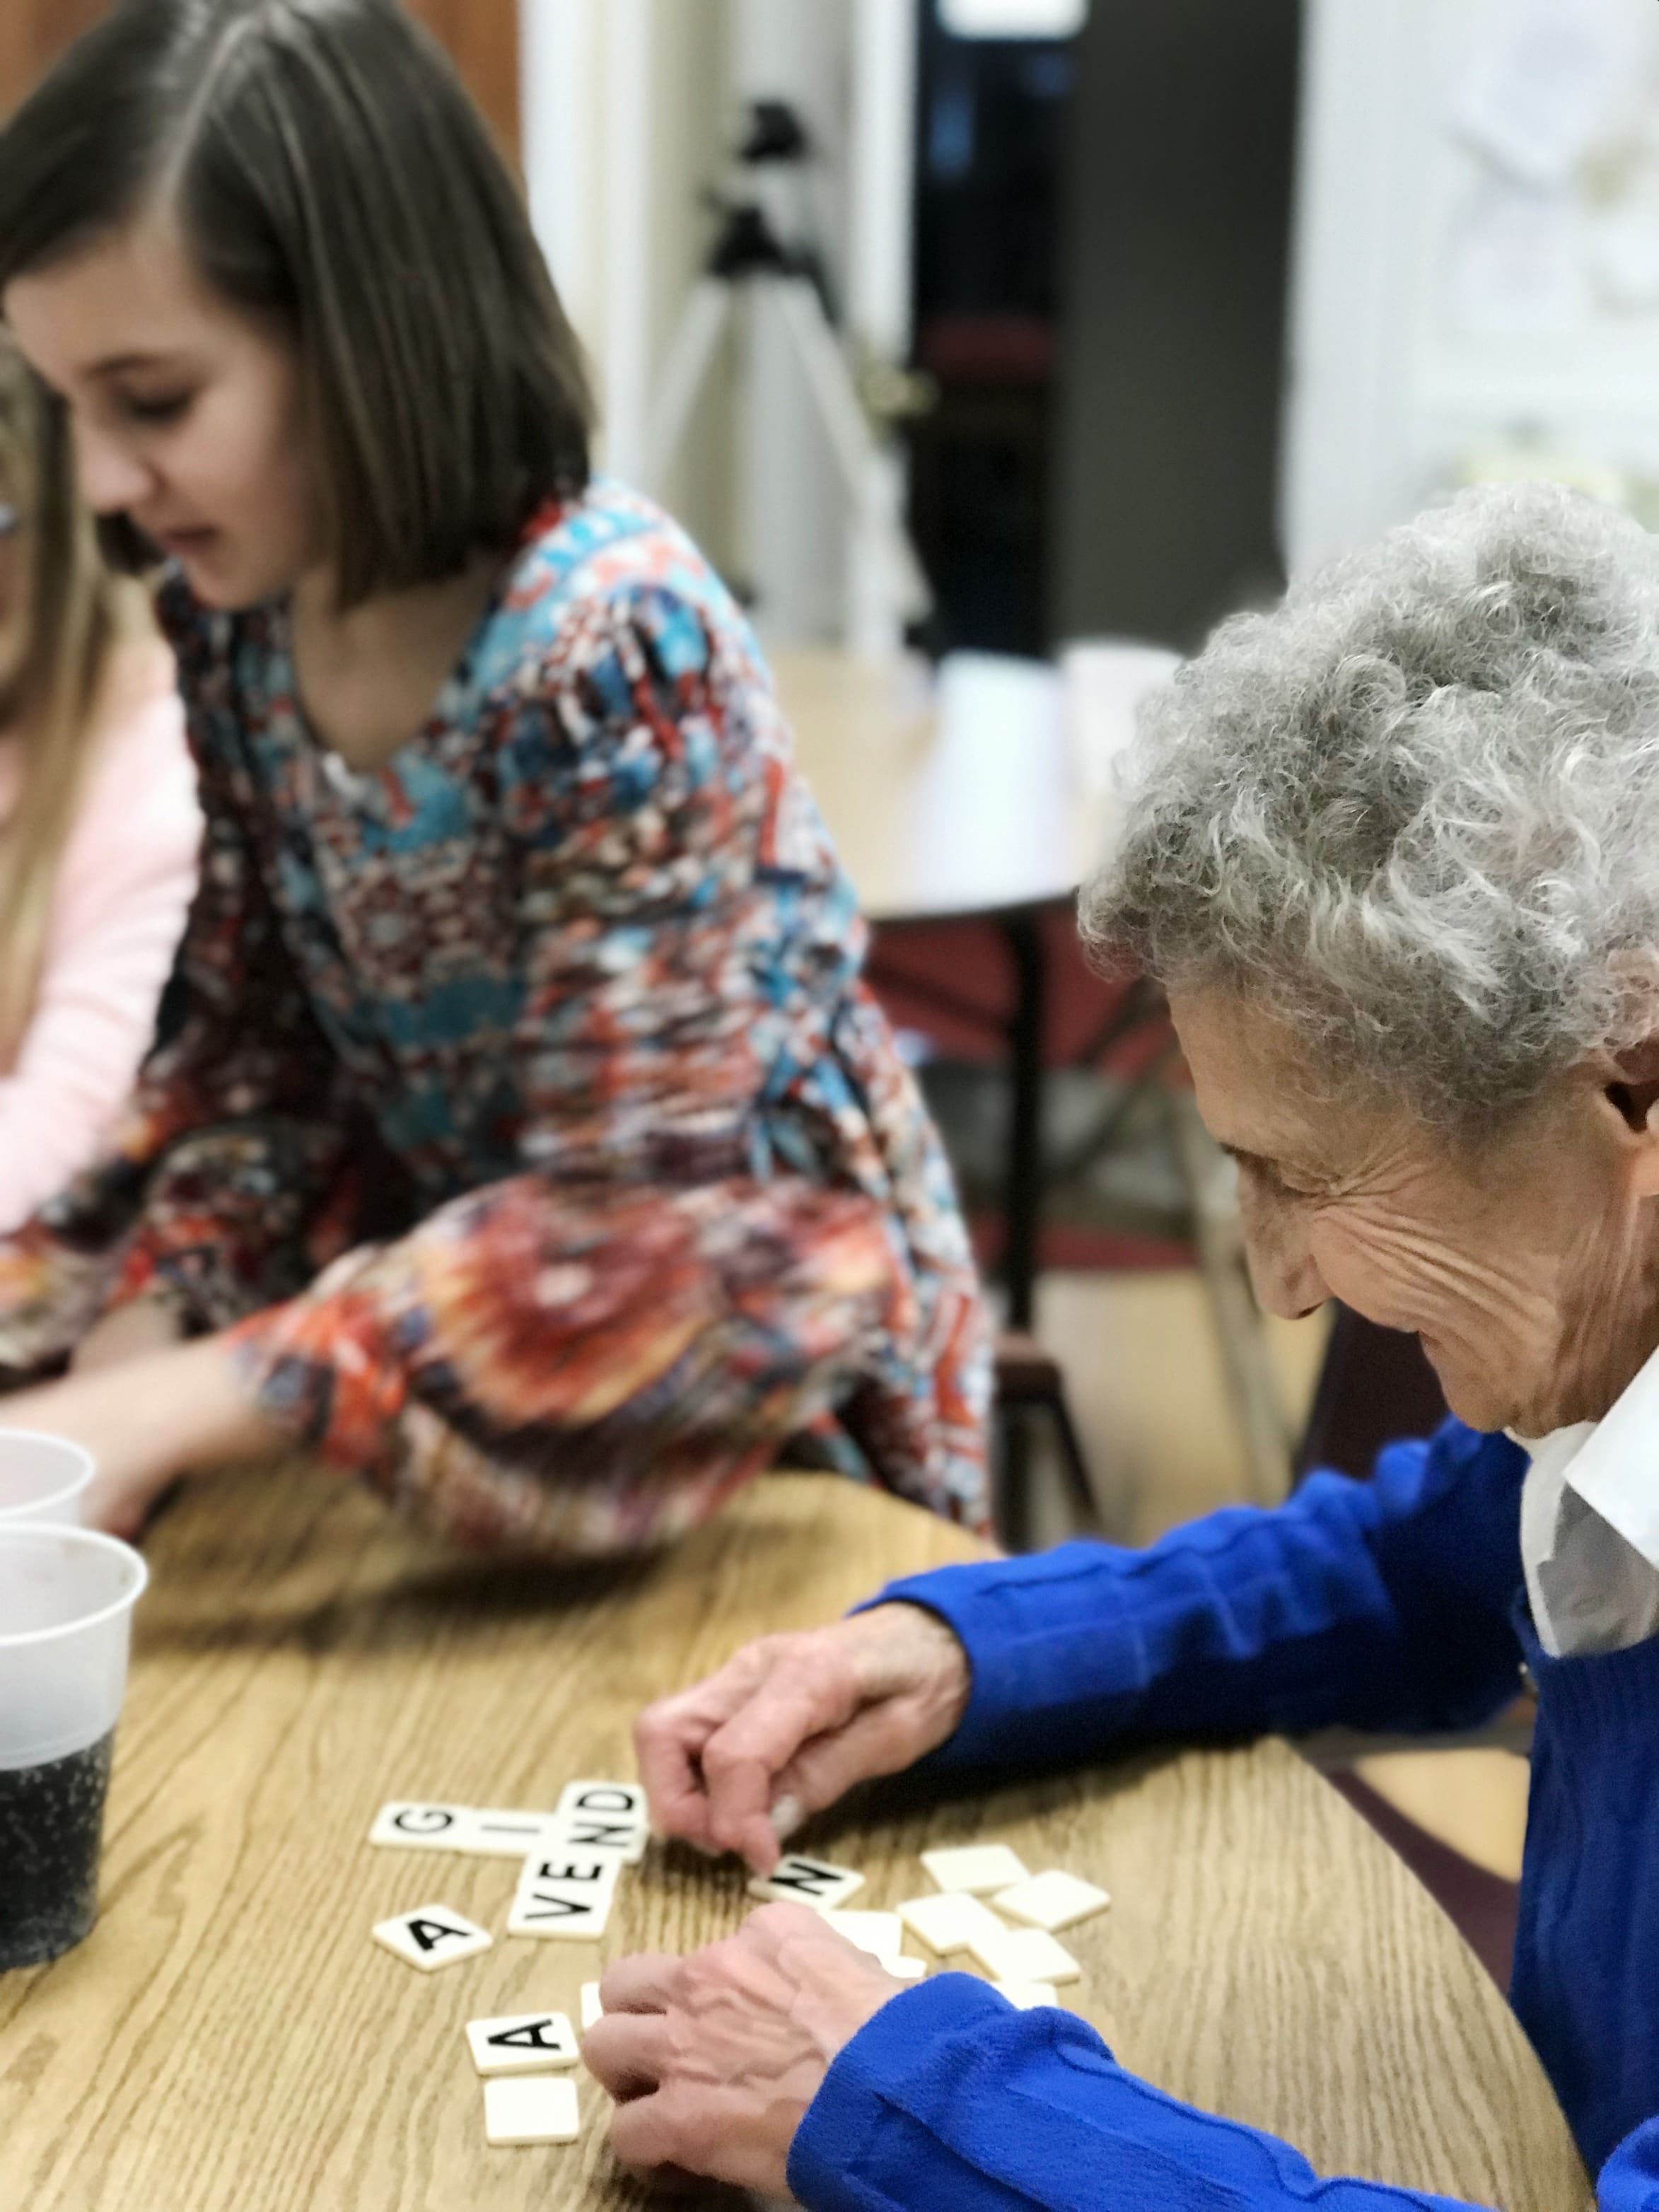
x: 522, y: 2043
x: 564, y: 1894
x: 431, y: 1936
x: 807, y: 1881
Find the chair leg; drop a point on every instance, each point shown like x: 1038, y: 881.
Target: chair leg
x: 1012, y: 1509
x: 1073, y: 1465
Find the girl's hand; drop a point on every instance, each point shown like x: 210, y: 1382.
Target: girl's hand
x: 712, y: 2060
x: 791, y: 1724
x: 141, y: 1325
x: 146, y: 1422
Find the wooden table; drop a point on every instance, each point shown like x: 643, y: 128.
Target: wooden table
x: 229, y: 2040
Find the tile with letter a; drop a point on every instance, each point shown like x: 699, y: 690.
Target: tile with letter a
x: 421, y: 1828
x: 522, y: 2043
x: 1051, y: 1900
x: 807, y: 1881
x: 975, y: 1868
x: 564, y: 1895
x: 432, y: 1936
x: 1025, y: 1954
x: 538, y: 2108
x: 949, y: 1923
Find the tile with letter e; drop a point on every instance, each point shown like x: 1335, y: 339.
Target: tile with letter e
x: 566, y: 1895
x: 1052, y: 1900
x: 522, y: 2043
x: 431, y: 1936
x: 807, y: 1881
x: 538, y: 2108
x: 975, y: 1868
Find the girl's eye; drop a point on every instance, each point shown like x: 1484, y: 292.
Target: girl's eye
x: 165, y: 407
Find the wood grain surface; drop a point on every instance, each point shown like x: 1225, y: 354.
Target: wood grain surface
x: 229, y: 2040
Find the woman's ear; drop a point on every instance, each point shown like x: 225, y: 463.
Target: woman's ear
x: 1631, y: 1087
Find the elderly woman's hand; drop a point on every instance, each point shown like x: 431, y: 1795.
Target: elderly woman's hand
x: 793, y: 1722
x: 713, y: 2059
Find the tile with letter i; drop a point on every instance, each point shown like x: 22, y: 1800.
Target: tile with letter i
x: 564, y: 1896
x: 492, y: 1833
x: 522, y: 2043
x: 807, y: 1881
x: 431, y: 1936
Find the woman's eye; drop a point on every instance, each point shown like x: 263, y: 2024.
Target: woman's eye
x: 162, y: 407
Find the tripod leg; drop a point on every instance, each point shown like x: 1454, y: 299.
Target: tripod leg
x: 690, y: 356
x: 852, y: 441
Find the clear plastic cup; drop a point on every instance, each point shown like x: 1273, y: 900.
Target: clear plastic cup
x: 43, y: 1478
x: 66, y: 1600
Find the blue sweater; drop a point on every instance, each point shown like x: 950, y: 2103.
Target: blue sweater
x: 1395, y: 1604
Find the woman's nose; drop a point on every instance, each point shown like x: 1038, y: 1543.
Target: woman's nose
x: 113, y: 480
x: 1283, y: 1272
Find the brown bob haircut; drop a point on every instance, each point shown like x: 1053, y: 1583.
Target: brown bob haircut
x: 328, y: 172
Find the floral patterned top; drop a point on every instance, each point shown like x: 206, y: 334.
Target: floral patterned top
x: 581, y: 947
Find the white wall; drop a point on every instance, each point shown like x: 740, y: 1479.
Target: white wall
x: 1478, y: 257
x: 626, y: 112
x: 628, y: 108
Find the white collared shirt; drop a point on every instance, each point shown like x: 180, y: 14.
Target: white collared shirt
x: 1589, y: 1527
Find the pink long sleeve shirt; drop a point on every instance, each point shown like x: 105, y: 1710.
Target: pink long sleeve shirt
x: 118, y: 907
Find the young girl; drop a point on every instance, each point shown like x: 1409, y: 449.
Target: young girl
x: 533, y: 1147
x: 99, y: 826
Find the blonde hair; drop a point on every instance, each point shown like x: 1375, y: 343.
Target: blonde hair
x: 57, y: 636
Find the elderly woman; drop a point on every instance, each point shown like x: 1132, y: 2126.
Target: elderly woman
x: 1394, y: 849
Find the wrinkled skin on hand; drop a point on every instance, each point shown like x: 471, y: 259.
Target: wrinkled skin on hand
x: 713, y: 2059
x: 792, y: 1723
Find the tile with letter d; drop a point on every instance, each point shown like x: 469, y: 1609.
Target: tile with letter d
x: 522, y: 2043
x: 604, y: 1816
x: 431, y: 1936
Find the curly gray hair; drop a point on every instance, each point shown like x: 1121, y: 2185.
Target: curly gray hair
x: 1415, y: 811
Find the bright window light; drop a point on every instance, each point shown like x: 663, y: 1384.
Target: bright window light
x: 1013, y: 19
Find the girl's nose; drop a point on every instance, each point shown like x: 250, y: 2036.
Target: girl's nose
x: 114, y: 481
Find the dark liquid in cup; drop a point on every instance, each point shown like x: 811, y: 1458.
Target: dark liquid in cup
x: 51, y: 1822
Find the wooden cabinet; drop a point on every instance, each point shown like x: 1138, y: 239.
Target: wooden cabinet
x: 482, y: 35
